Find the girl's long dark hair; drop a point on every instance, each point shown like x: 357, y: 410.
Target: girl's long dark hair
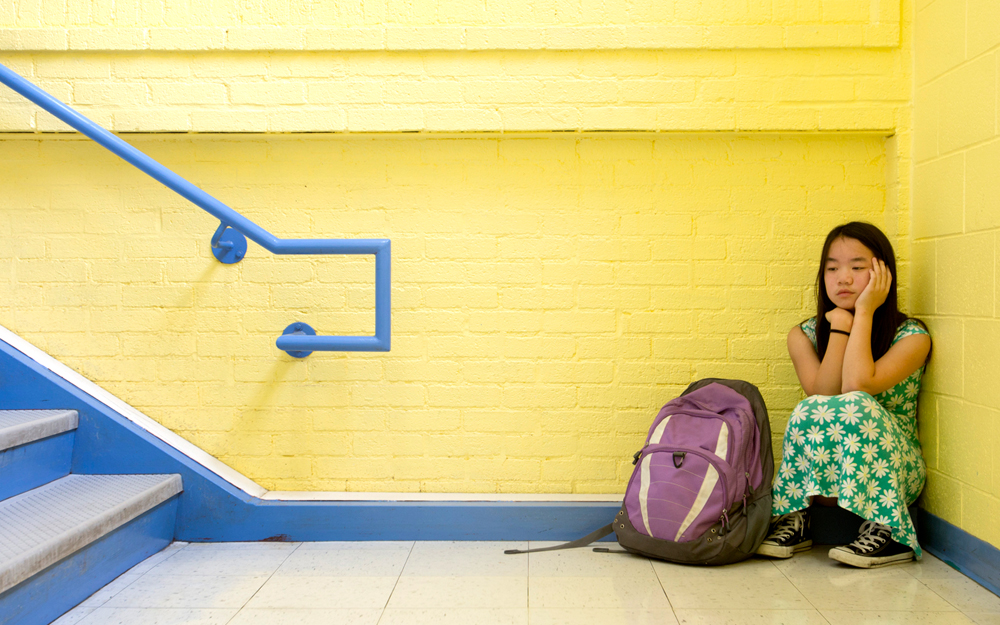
x: 887, y: 317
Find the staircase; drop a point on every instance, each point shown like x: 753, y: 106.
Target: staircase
x: 63, y: 535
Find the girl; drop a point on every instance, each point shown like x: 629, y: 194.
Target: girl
x: 853, y: 442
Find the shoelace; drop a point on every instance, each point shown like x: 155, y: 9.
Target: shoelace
x: 786, y: 525
x: 872, y: 537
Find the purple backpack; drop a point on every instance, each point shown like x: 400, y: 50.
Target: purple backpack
x: 701, y: 489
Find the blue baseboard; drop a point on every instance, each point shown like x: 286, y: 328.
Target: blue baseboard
x: 961, y: 550
x: 212, y: 509
x: 29, y: 466
x: 47, y: 595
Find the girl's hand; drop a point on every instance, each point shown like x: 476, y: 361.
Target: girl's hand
x: 877, y: 290
x: 840, y: 319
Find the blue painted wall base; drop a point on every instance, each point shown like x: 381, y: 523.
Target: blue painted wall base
x: 961, y: 550
x: 44, y: 597
x: 29, y: 466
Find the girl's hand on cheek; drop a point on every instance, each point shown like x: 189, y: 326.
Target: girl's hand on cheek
x: 877, y: 290
x: 840, y: 319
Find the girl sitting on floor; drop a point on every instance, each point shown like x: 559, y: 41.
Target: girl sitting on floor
x: 853, y: 442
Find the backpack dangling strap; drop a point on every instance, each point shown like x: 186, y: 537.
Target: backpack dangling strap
x: 580, y: 542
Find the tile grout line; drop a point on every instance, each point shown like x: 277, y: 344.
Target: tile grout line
x: 240, y: 609
x: 413, y: 545
x: 137, y: 578
x: 527, y: 583
x: 799, y: 590
x: 666, y: 595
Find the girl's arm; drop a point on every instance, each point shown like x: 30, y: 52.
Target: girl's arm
x: 861, y: 372
x: 816, y: 377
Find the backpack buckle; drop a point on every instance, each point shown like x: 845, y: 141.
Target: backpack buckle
x: 635, y: 457
x: 679, y: 459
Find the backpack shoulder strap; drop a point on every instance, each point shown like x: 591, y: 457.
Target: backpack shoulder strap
x: 580, y: 542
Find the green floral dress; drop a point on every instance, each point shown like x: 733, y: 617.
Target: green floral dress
x: 863, y: 450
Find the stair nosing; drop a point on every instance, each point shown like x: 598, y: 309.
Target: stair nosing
x: 38, y: 558
x: 41, y: 428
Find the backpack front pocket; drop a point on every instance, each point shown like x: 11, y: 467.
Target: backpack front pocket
x: 678, y: 493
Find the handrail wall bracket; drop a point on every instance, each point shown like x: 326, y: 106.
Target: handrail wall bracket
x: 229, y: 246
x: 229, y: 243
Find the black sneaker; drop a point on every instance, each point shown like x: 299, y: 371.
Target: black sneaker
x: 874, y: 547
x: 789, y: 534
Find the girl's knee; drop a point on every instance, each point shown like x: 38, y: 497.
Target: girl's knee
x: 813, y: 400
x: 856, y: 396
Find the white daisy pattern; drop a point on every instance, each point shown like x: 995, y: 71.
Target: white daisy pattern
x: 850, y: 414
x: 857, y: 447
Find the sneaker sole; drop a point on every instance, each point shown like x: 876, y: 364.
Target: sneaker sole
x: 775, y: 551
x: 862, y: 562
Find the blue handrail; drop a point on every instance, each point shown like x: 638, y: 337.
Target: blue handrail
x: 298, y: 339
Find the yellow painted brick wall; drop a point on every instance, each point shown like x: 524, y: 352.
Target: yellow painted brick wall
x: 553, y: 283
x: 956, y: 226
x: 550, y: 293
x: 453, y: 91
x: 432, y: 24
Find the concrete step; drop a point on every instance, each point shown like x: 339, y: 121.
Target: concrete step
x: 20, y: 427
x: 44, y: 525
x: 36, y: 447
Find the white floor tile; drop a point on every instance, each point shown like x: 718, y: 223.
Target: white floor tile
x: 244, y: 546
x: 473, y: 583
x: 324, y: 592
x: 224, y: 562
x: 726, y: 591
x: 752, y: 568
x: 119, y: 584
x: 749, y: 617
x: 596, y: 592
x: 866, y: 594
x: 599, y: 616
x: 930, y: 567
x: 358, y: 545
x: 455, y: 616
x: 965, y: 594
x: 853, y: 617
x: 462, y: 558
x: 158, y: 616
x: 168, y: 552
x: 346, y: 561
x: 460, y: 592
x: 584, y: 562
x: 73, y: 617
x: 187, y: 591
x: 301, y: 616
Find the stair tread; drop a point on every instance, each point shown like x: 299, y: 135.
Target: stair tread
x: 40, y: 527
x: 19, y: 427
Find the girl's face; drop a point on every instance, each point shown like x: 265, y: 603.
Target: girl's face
x: 846, y: 273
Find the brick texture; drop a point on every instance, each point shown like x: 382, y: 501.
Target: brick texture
x: 540, y: 319
x: 956, y: 229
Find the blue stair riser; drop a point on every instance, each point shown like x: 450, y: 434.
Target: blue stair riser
x: 29, y: 466
x: 47, y: 595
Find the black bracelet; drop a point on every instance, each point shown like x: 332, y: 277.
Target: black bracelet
x: 840, y: 332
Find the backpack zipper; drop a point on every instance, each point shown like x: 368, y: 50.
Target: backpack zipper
x: 716, y: 462
x: 705, y: 414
